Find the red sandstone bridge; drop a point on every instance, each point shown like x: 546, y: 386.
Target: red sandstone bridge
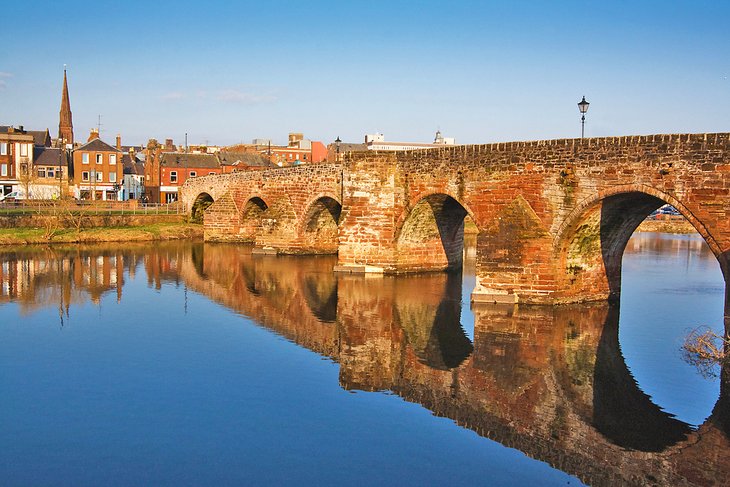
x: 553, y: 217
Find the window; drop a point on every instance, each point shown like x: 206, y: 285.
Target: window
x: 59, y: 173
x: 42, y: 172
x: 84, y: 158
x: 173, y: 176
x: 193, y: 174
x: 99, y: 176
x: 112, y: 158
x: 50, y: 173
x: 3, y: 148
x: 23, y: 150
x: 112, y: 177
x: 3, y: 169
x: 99, y: 158
x: 85, y: 176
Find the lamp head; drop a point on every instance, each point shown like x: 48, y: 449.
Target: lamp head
x: 583, y: 105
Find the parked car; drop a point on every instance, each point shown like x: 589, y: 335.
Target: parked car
x: 669, y: 210
x: 12, y: 196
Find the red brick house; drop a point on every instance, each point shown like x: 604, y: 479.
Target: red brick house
x: 166, y: 171
x: 97, y: 170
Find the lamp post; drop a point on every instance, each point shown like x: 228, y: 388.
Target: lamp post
x: 583, y: 107
x: 337, y: 143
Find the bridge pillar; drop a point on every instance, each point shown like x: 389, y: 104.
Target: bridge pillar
x: 514, y: 259
x: 367, y: 230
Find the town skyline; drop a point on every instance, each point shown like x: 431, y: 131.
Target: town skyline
x: 478, y: 72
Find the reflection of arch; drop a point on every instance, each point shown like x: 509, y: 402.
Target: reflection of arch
x: 434, y: 331
x: 622, y: 412
x: 197, y: 254
x: 590, y: 243
x: 430, y: 234
x: 201, y: 203
x: 321, y: 297
x: 250, y: 280
x: 319, y: 226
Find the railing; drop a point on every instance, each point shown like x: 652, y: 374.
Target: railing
x: 130, y: 207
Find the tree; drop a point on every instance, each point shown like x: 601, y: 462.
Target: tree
x: 27, y: 178
x: 705, y: 349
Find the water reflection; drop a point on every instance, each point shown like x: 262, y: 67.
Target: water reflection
x: 549, y: 381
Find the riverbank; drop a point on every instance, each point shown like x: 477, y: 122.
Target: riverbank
x: 142, y: 233
x: 180, y: 231
x: 673, y: 225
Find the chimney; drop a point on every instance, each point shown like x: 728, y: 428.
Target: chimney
x: 119, y: 142
x: 93, y: 135
x: 168, y: 145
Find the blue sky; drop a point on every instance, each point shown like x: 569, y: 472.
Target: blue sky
x: 226, y: 72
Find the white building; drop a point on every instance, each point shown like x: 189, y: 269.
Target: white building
x: 377, y: 142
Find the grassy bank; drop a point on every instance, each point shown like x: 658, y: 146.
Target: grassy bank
x: 143, y: 233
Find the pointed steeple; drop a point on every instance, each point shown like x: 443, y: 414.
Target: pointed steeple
x: 65, y: 124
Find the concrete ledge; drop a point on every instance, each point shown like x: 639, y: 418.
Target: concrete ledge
x: 264, y: 251
x: 358, y: 269
x: 493, y: 298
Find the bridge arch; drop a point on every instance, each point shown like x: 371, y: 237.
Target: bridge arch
x: 200, y: 204
x: 429, y: 234
x: 253, y: 214
x: 588, y: 246
x: 319, y: 224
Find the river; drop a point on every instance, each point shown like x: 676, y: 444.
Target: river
x: 190, y: 364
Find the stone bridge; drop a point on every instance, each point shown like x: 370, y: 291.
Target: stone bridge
x: 553, y: 217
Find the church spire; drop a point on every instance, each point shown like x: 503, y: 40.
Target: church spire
x: 65, y: 124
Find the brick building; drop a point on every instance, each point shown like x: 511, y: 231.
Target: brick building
x: 297, y: 151
x: 166, y: 170
x: 50, y: 172
x: 16, y: 157
x: 97, y: 170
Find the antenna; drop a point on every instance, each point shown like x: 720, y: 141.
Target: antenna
x: 98, y: 126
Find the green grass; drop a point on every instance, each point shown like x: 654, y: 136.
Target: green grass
x: 155, y: 231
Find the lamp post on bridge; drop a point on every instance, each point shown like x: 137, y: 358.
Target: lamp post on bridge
x: 337, y: 143
x: 583, y: 107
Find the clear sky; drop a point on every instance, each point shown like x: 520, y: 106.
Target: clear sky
x: 226, y: 72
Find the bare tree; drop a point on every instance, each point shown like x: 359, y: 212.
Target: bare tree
x: 705, y: 349
x: 27, y: 178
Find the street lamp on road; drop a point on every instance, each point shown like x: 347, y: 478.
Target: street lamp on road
x: 583, y: 107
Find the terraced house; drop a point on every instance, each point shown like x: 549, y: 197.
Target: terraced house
x: 167, y: 169
x: 97, y: 170
x: 16, y: 157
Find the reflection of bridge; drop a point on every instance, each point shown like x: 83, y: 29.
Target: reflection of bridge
x: 548, y: 381
x: 553, y: 216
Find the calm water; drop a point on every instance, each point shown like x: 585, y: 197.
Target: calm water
x: 181, y: 364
